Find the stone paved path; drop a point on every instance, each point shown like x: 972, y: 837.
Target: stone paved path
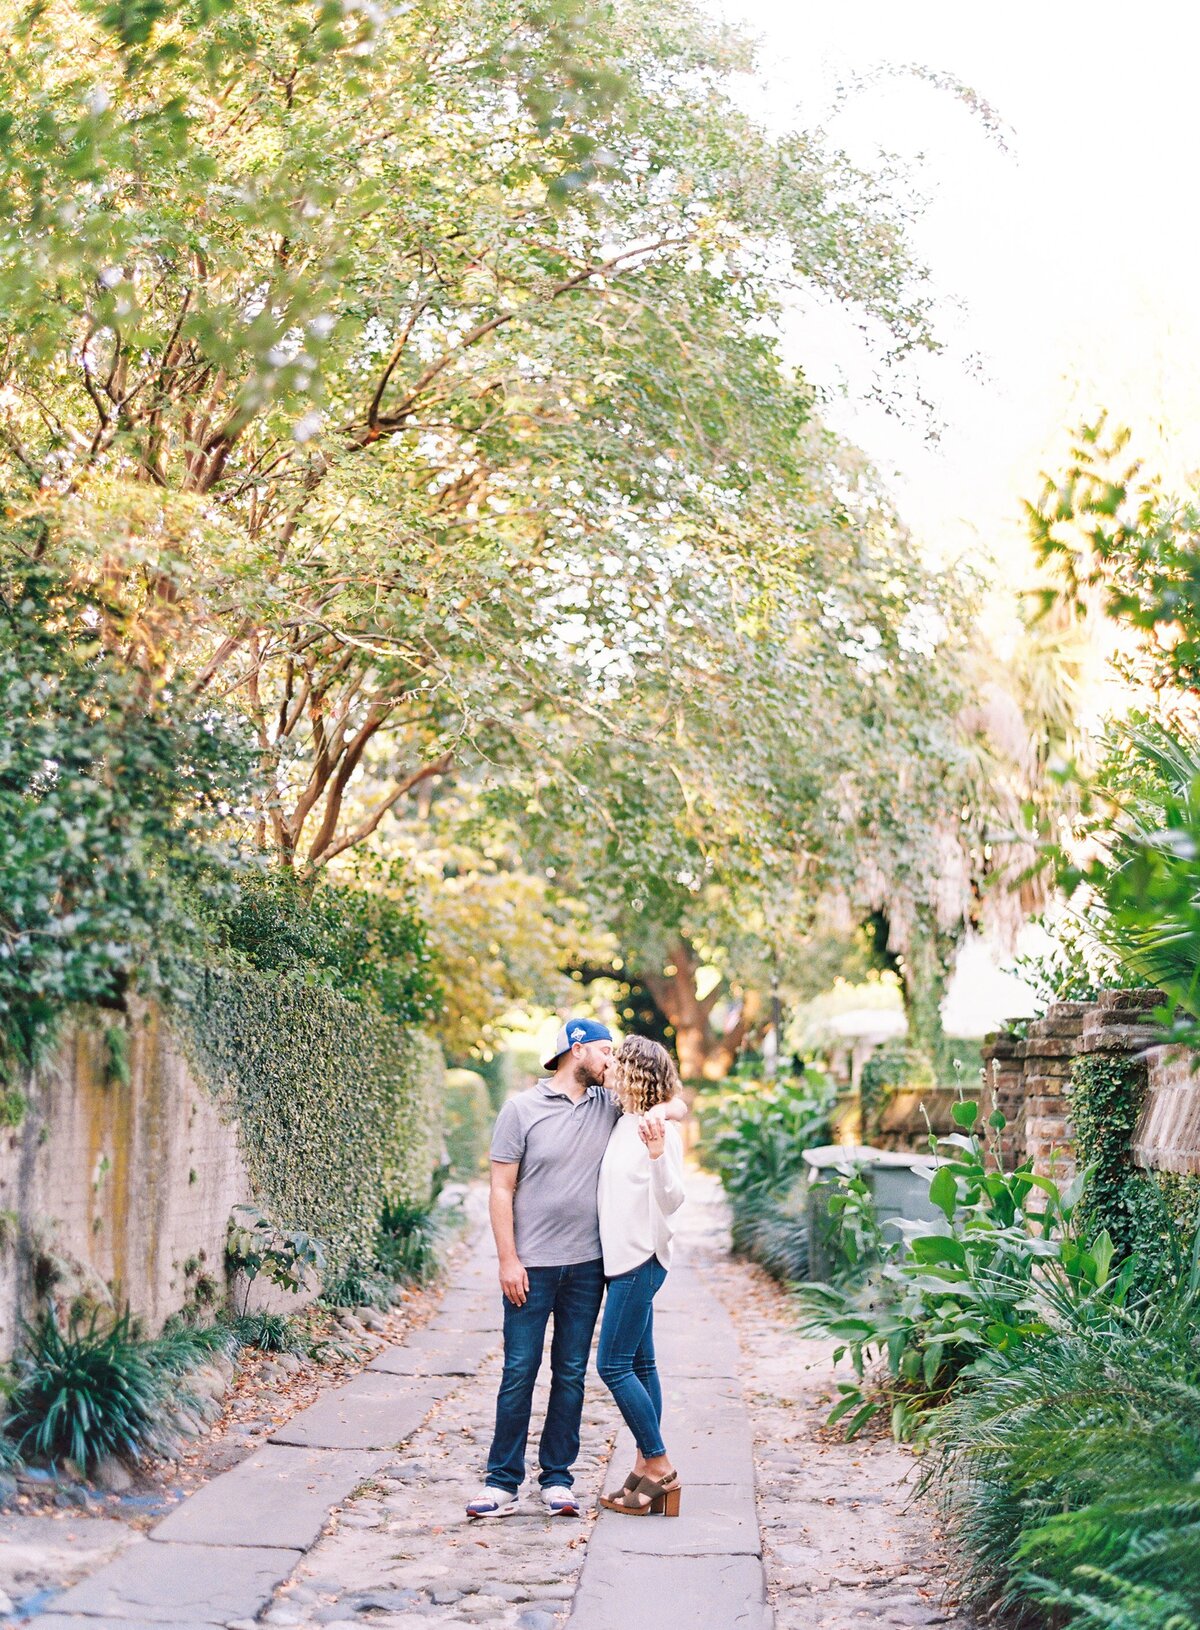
x: 844, y: 1546
x: 352, y: 1514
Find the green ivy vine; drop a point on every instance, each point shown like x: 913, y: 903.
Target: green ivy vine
x: 1152, y: 1215
x: 338, y: 1106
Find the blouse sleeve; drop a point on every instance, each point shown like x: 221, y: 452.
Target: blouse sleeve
x: 666, y: 1175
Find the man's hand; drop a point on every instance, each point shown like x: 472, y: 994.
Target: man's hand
x: 672, y: 1109
x: 514, y: 1281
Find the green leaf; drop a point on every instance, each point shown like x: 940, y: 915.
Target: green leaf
x: 943, y: 1192
x: 856, y: 1422
x: 938, y: 1248
x: 1102, y: 1251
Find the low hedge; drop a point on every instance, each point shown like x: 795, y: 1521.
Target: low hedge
x: 468, y: 1121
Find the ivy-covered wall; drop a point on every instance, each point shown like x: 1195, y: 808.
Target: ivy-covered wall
x: 140, y: 1131
x: 339, y: 1108
x: 1151, y: 1215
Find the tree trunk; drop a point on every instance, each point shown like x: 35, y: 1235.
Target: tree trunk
x: 704, y: 1054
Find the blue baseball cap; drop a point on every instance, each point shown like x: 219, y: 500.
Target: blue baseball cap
x: 576, y: 1030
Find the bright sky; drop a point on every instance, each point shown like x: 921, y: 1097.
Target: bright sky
x: 1067, y: 266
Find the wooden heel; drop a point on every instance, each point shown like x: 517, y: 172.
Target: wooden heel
x: 668, y: 1504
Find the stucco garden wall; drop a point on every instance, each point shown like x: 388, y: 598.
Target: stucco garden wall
x: 121, y: 1176
x: 120, y: 1187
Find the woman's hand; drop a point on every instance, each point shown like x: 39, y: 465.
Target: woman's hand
x: 653, y: 1133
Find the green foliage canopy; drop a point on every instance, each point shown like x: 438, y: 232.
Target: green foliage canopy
x: 415, y: 381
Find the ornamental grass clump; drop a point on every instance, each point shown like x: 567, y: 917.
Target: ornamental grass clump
x: 268, y: 1332
x: 98, y: 1388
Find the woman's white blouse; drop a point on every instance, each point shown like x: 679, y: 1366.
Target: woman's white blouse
x: 638, y: 1197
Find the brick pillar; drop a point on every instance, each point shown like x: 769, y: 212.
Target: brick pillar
x: 1119, y: 1022
x: 1119, y: 1025
x: 1004, y: 1089
x: 1046, y: 1055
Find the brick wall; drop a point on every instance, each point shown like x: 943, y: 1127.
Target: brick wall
x: 1167, y: 1138
x: 1027, y: 1079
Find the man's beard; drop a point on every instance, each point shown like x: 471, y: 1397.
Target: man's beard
x: 587, y: 1076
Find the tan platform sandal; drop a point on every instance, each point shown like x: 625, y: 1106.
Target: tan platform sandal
x: 634, y: 1478
x: 647, y: 1498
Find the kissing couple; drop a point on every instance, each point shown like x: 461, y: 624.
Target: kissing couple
x: 587, y: 1175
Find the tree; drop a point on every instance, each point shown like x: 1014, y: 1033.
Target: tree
x: 391, y: 372
x: 1115, y: 541
x: 800, y: 738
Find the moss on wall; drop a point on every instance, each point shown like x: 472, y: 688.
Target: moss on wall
x: 338, y: 1107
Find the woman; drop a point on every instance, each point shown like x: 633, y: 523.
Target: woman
x: 641, y: 1188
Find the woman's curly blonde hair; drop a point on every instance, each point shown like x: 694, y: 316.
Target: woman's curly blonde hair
x: 645, y: 1074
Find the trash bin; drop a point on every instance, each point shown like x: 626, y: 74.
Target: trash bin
x: 824, y: 1163
x: 899, y: 1185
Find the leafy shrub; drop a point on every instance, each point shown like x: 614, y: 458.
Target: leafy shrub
x: 467, y: 1121
x: 961, y: 1291
x: 357, y: 1286
x: 110, y: 793
x: 1070, y: 1472
x: 268, y: 1332
x: 367, y: 942
x: 848, y: 1228
x: 287, y: 1257
x: 98, y: 1389
x: 408, y: 1251
x: 755, y: 1140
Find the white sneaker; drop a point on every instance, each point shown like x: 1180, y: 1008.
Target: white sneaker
x: 493, y: 1502
x: 560, y: 1502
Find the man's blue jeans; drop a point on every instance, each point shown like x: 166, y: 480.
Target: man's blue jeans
x: 572, y: 1296
x: 625, y: 1358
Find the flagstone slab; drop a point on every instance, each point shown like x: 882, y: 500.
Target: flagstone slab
x: 456, y: 1353
x: 712, y: 1521
x: 690, y: 1363
x: 701, y: 1455
x: 437, y: 1338
x: 684, y: 1592
x: 373, y: 1411
x: 172, y: 1584
x: 469, y: 1310
x: 79, y: 1621
x: 280, y: 1495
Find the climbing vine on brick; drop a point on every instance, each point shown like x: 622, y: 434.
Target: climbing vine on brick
x: 339, y: 1108
x: 1153, y: 1215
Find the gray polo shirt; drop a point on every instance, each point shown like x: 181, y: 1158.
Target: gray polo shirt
x: 559, y: 1145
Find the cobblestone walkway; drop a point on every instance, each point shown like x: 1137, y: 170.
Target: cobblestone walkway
x: 331, y: 1524
x: 843, y: 1546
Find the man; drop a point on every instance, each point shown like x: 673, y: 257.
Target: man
x: 547, y: 1147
